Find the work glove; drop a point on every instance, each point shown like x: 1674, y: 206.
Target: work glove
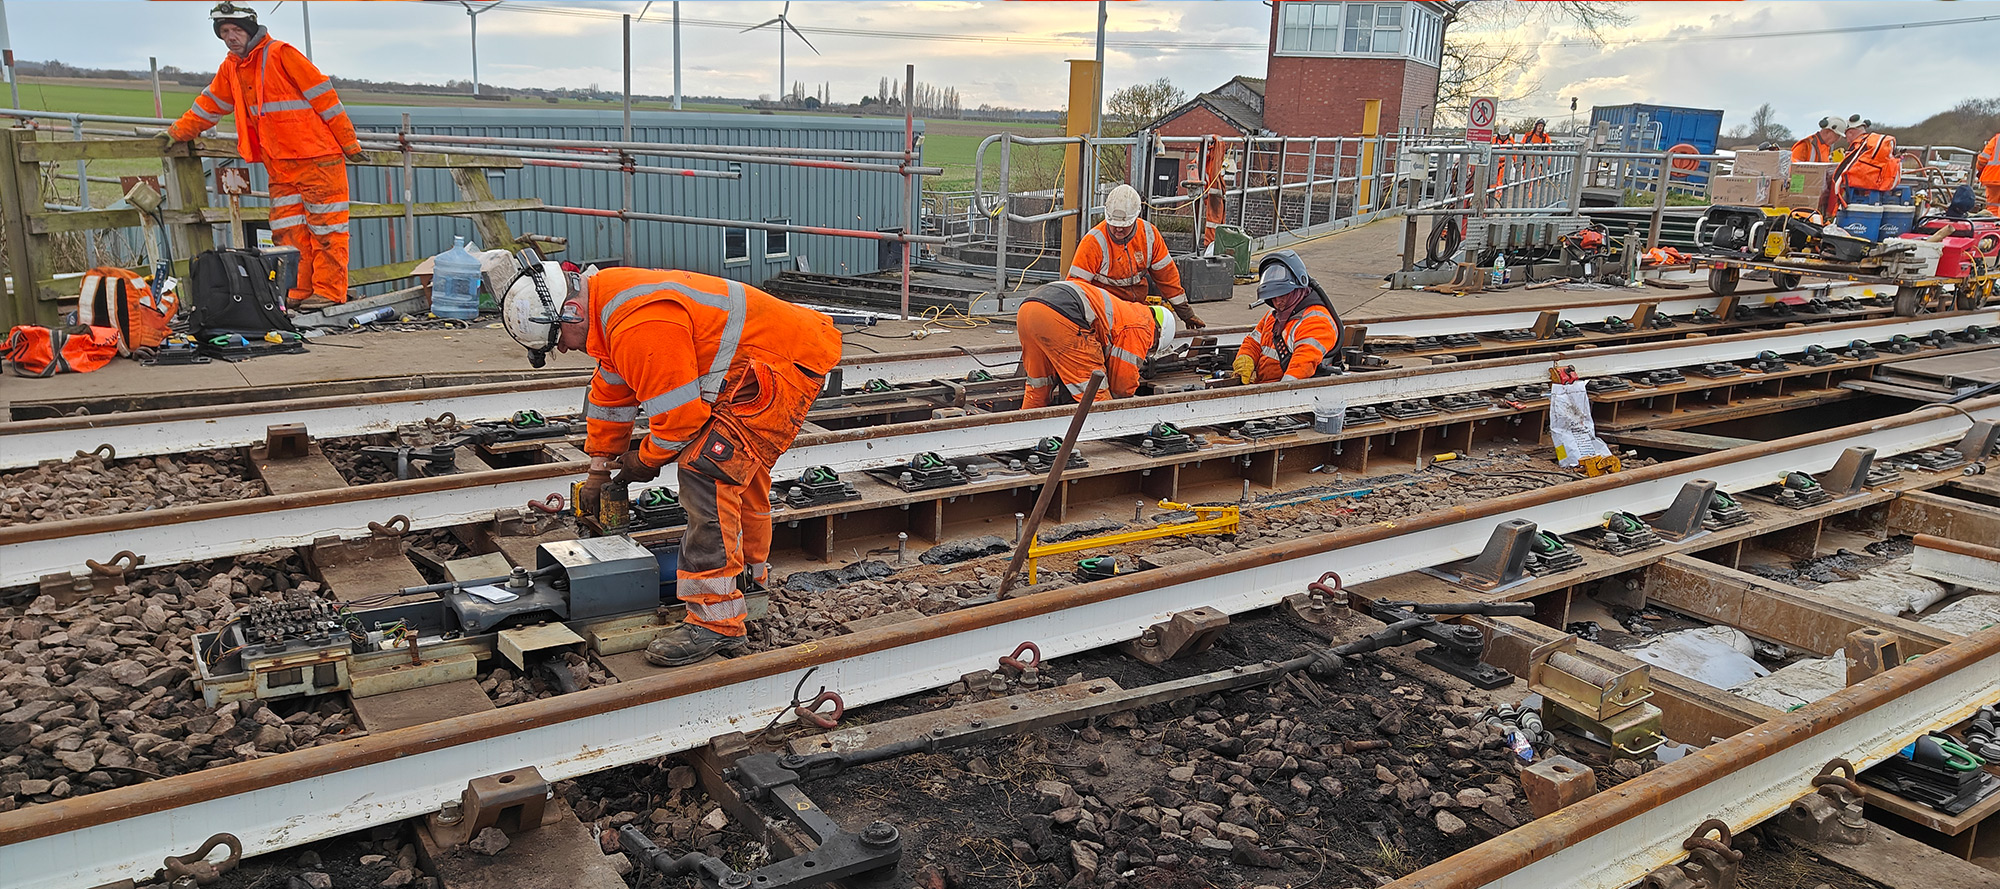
x: 166, y: 139
x: 591, y: 493
x: 633, y: 469
x: 1185, y: 312
x: 355, y: 155
x: 1246, y: 369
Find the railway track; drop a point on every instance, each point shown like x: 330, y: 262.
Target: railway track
x: 182, y: 429
x: 291, y: 799
x: 45, y: 551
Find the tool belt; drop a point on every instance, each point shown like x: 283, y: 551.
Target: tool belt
x: 754, y: 421
x: 38, y: 351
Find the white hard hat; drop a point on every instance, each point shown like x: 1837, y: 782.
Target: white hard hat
x: 532, y: 310
x: 1122, y: 207
x: 1163, y: 340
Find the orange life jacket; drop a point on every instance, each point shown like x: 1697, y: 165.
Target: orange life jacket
x: 39, y: 351
x: 120, y: 299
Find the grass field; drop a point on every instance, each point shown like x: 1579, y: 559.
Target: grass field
x: 947, y: 143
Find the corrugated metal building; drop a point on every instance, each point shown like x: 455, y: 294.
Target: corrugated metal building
x: 765, y: 193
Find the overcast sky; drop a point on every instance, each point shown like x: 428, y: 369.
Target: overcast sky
x: 1670, y: 54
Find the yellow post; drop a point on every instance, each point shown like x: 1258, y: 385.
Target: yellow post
x: 1371, y: 126
x: 1080, y: 121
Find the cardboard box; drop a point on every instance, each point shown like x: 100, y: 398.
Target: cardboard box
x: 1746, y: 191
x: 1809, y: 178
x: 1768, y: 164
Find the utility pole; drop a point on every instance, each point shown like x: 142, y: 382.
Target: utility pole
x: 677, y: 55
x: 7, y: 57
x: 625, y: 224
x: 306, y: 13
x: 473, y: 14
x: 159, y: 110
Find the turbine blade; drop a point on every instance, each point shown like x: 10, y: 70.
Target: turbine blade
x: 795, y: 30
x: 755, y: 27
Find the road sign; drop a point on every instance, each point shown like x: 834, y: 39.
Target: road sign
x: 1479, y: 119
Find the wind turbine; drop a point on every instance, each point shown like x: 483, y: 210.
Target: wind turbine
x: 784, y: 23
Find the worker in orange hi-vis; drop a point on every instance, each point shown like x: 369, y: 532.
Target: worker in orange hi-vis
x: 1539, y: 135
x: 1071, y: 329
x: 1127, y: 256
x: 724, y: 373
x: 1214, y: 206
x: 288, y: 118
x: 1988, y: 167
x: 1821, y: 147
x: 1873, y: 164
x: 1301, y: 330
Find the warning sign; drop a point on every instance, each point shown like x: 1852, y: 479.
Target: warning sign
x: 1479, y: 119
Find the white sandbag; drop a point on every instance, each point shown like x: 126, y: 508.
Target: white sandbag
x: 1966, y: 616
x: 1570, y: 425
x: 1800, y: 682
x: 1890, y: 589
x: 1718, y: 656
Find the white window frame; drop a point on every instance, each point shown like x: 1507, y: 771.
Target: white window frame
x: 1321, y: 27
x: 727, y: 259
x: 783, y: 238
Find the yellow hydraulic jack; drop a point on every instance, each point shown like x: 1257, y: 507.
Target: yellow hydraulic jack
x: 1209, y: 520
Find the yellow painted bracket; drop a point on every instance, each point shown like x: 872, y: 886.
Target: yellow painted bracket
x: 1208, y: 520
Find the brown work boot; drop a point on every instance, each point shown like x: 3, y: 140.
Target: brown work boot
x: 313, y: 304
x: 688, y: 643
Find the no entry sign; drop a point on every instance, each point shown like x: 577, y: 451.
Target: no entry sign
x: 1479, y: 119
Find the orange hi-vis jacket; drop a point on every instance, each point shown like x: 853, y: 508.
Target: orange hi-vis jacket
x: 1988, y: 165
x: 1121, y: 333
x: 668, y: 343
x: 1875, y: 165
x: 284, y: 107
x: 1811, y: 150
x: 1126, y: 269
x: 1307, y: 339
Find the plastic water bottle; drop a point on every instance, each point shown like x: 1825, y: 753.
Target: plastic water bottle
x: 1499, y: 269
x: 455, y: 282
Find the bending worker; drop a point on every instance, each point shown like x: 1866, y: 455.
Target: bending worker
x: 288, y: 118
x: 1301, y: 329
x: 1126, y: 256
x: 1069, y: 329
x: 1871, y: 164
x: 1822, y: 146
x: 725, y: 374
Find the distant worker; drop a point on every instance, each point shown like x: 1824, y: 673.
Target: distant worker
x: 288, y: 118
x: 1070, y: 328
x: 1872, y: 164
x: 1823, y: 146
x: 1127, y: 256
x: 725, y: 374
x: 1501, y: 136
x: 1988, y: 166
x: 1301, y: 330
x: 1539, y: 135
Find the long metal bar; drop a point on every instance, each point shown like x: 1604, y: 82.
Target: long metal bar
x: 211, y: 530
x: 736, y: 223
x: 145, y: 433
x: 296, y: 798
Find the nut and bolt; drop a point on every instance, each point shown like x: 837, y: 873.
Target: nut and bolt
x: 880, y: 833
x: 1150, y: 638
x: 1139, y: 511
x: 902, y: 547
x: 1020, y: 523
x: 736, y: 880
x: 451, y: 813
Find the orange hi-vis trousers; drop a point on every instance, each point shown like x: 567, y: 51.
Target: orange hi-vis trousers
x: 728, y: 527
x: 309, y: 212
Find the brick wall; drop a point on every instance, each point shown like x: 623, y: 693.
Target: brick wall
x: 1199, y: 121
x: 1310, y: 96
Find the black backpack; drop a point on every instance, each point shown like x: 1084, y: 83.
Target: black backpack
x: 236, y: 291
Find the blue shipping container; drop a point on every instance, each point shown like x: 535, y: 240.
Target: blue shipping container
x: 1659, y: 127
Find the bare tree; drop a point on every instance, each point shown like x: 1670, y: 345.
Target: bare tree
x: 1477, y: 65
x: 1134, y: 106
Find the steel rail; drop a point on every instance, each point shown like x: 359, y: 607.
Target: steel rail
x: 1613, y: 840
x: 303, y: 796
x: 178, y: 534
x: 177, y: 430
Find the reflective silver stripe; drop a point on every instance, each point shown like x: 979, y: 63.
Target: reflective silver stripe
x: 727, y: 609
x: 1075, y: 389
x: 1041, y: 382
x: 731, y: 303
x: 1270, y: 352
x: 1181, y: 300
x: 218, y: 100
x: 670, y: 399
x: 278, y: 222
x: 321, y: 87
x: 1103, y: 250
x: 204, y: 115
x: 610, y: 376
x: 335, y: 207
x: 1125, y: 356
x: 287, y: 105
x: 331, y: 113
x: 336, y: 228
x: 594, y: 411
x: 1315, y: 344
x: 1122, y: 282
x: 666, y: 445
x: 288, y: 200
x: 1077, y: 271
x: 1165, y: 261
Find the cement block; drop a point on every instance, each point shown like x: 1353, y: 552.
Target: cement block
x: 1556, y: 782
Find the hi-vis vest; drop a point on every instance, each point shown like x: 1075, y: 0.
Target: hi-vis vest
x: 119, y: 299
